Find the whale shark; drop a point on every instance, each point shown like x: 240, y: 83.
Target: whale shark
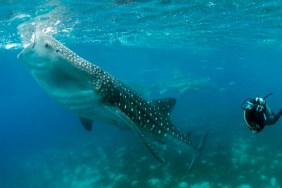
x: 95, y: 95
x: 179, y: 84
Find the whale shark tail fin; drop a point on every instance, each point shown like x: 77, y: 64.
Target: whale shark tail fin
x: 195, y: 156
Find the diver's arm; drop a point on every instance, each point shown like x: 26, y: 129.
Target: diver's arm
x: 271, y: 120
x: 268, y: 112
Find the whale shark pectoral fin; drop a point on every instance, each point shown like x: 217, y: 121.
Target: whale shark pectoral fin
x: 86, y: 123
x: 156, y: 147
x: 153, y: 146
x: 165, y: 105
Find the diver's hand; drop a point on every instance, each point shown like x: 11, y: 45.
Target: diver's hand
x: 280, y: 112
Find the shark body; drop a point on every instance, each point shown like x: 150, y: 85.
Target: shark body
x: 181, y: 84
x: 94, y: 94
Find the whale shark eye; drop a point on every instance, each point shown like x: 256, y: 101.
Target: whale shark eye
x: 47, y: 46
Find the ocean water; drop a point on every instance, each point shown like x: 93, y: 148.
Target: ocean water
x: 209, y: 55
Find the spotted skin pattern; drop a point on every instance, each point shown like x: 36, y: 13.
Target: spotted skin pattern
x: 92, y: 93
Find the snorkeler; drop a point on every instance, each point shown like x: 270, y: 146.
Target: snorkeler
x: 257, y: 114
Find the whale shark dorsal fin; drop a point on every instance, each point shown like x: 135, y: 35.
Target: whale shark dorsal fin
x: 86, y: 123
x: 165, y: 105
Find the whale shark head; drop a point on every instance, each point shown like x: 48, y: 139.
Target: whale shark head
x: 40, y: 53
x: 45, y: 51
x: 55, y: 67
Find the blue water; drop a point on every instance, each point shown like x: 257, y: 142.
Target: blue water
x: 229, y: 50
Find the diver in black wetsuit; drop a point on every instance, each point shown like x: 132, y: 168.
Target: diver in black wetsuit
x: 257, y: 114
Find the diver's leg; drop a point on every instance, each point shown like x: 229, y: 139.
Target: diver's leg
x: 273, y: 119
